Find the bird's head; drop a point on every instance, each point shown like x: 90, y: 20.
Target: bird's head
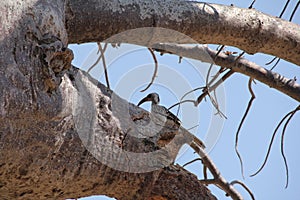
x: 153, y: 97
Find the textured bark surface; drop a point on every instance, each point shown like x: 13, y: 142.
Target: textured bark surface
x: 274, y: 80
x: 247, y: 29
x: 42, y: 155
x: 42, y: 160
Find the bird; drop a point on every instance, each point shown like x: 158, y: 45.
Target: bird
x: 165, y: 115
x: 159, y: 111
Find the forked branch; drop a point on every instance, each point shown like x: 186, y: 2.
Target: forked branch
x: 218, y: 179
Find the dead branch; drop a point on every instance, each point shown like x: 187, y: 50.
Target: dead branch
x: 241, y: 124
x: 282, y: 12
x: 210, y: 67
x: 207, y: 24
x: 284, y: 8
x: 244, y: 186
x: 155, y: 70
x: 244, y: 66
x: 213, y: 87
x: 99, y: 58
x: 251, y: 6
x: 218, y: 179
x: 282, y: 145
x: 104, y: 64
x: 190, y: 162
x: 181, y: 99
x: 290, y: 115
x: 209, y: 83
x: 204, y: 94
x: 276, y: 63
x: 294, y: 11
x: 270, y: 62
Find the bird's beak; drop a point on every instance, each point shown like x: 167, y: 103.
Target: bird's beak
x: 144, y: 100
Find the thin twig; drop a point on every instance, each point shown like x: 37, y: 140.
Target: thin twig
x: 214, y: 100
x: 199, y: 88
x: 155, y: 70
x: 181, y: 102
x: 210, y: 68
x: 268, y: 63
x: 282, y: 145
x: 219, y: 50
x: 204, y: 172
x: 214, y: 78
x: 217, y: 104
x: 275, y: 64
x: 244, y: 186
x: 193, y: 127
x: 99, y: 58
x: 286, y: 4
x: 237, y: 58
x: 271, y: 142
x: 104, y: 65
x: 282, y: 151
x: 190, y: 162
x: 252, y: 4
x: 209, y: 83
x: 221, y: 80
x: 241, y: 124
x: 208, y: 74
x: 294, y: 11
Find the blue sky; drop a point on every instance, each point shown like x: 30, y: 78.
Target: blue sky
x: 131, y: 72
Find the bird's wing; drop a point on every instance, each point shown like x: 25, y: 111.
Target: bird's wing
x: 169, y: 115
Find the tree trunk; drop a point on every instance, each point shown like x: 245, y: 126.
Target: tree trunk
x: 42, y: 154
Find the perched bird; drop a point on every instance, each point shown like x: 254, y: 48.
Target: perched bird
x: 165, y: 115
x: 159, y: 111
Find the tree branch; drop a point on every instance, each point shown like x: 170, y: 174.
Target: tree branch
x: 58, y: 158
x: 246, y: 29
x: 243, y: 66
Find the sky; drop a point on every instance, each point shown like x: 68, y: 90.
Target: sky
x: 130, y: 69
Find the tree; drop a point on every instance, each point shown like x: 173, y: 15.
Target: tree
x: 42, y: 155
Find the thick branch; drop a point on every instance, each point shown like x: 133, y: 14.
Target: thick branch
x: 247, y: 29
x: 44, y: 138
x: 62, y: 161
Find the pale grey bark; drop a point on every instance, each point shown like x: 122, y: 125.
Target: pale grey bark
x: 247, y: 29
x: 274, y: 80
x: 41, y: 153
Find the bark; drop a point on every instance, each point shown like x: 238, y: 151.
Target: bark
x: 274, y: 80
x: 42, y: 154
x: 247, y: 29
